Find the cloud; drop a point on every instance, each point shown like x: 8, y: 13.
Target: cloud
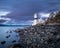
x: 44, y: 14
x: 4, y: 20
x: 4, y: 13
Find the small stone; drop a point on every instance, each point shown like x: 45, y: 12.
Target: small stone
x: 3, y: 42
x: 7, y: 32
x: 13, y: 41
x: 10, y: 31
x: 42, y: 32
x: 55, y: 33
x: 15, y: 46
x: 17, y: 35
x: 8, y: 36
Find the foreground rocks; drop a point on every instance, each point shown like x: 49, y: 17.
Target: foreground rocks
x: 40, y: 36
x: 3, y: 42
x: 15, y: 46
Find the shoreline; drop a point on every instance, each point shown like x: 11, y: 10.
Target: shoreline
x: 38, y: 36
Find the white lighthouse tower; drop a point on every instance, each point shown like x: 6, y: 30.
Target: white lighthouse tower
x: 35, y: 21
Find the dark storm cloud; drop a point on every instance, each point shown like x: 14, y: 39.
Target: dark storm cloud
x: 21, y: 8
x: 2, y: 21
x: 24, y: 9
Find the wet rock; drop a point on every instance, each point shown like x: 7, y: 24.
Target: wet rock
x: 58, y: 40
x: 17, y: 35
x: 7, y: 32
x: 55, y: 33
x: 3, y: 42
x: 8, y: 36
x: 15, y: 46
x: 18, y: 30
x: 10, y: 31
x: 13, y: 41
x: 50, y: 40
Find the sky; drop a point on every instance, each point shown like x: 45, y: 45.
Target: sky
x: 24, y: 9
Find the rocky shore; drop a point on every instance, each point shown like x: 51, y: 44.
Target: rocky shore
x: 54, y: 18
x: 41, y: 36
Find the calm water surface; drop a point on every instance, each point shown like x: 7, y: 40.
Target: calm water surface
x: 6, y: 31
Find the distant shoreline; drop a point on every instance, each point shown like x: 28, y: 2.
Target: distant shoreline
x: 15, y: 25
x: 28, y: 25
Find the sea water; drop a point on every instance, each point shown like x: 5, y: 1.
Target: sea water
x: 6, y: 31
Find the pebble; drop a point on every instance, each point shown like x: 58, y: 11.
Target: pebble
x: 3, y: 42
x: 8, y: 36
x: 15, y: 46
x: 13, y: 41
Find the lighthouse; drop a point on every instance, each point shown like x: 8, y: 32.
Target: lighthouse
x: 35, y: 21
